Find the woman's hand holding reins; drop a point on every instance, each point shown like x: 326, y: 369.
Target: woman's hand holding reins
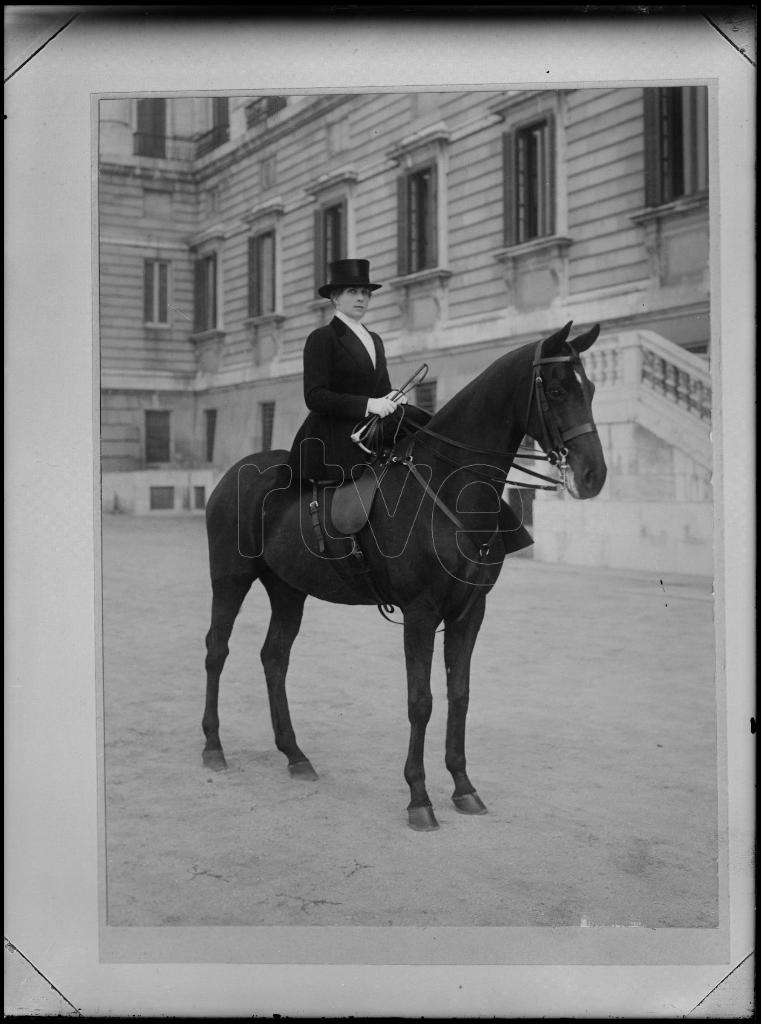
x: 380, y: 407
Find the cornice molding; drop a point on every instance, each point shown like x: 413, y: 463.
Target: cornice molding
x: 274, y: 207
x: 332, y: 179
x: 433, y: 134
x: 512, y: 101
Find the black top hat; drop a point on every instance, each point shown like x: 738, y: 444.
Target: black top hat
x: 348, y: 274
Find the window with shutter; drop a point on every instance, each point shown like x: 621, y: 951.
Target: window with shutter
x: 260, y: 109
x: 417, y: 197
x: 205, y: 306
x: 157, y: 446
x: 676, y: 143
x: 210, y: 416
x: 261, y: 274
x: 156, y: 292
x: 150, y: 137
x: 529, y: 181
x: 329, y: 238
x: 219, y: 132
x: 266, y: 424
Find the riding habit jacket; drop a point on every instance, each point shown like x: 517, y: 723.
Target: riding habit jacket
x: 339, y: 377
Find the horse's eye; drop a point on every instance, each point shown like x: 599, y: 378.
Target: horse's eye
x: 555, y: 391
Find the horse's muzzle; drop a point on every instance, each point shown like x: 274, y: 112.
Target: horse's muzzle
x: 586, y: 481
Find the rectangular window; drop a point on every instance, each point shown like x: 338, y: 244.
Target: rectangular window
x: 261, y: 274
x: 161, y: 498
x: 150, y: 137
x: 266, y: 423
x: 330, y: 238
x: 529, y: 175
x: 676, y: 143
x: 199, y: 495
x: 219, y: 132
x: 205, y: 306
x: 425, y: 396
x: 417, y: 220
x: 156, y: 292
x: 157, y: 435
x: 211, y: 430
x: 260, y: 109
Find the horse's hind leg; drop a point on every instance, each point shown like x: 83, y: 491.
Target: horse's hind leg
x: 227, y: 597
x: 287, y: 610
x: 459, y: 640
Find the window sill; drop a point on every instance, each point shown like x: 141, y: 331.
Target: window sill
x: 201, y: 337
x: 551, y: 245
x: 342, y: 178
x: 434, y: 136
x: 685, y: 204
x: 271, y: 209
x: 263, y: 319
x: 437, y: 274
x: 209, y: 239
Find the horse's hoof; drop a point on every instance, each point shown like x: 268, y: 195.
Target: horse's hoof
x: 469, y: 803
x: 422, y: 819
x: 303, y: 770
x: 215, y: 760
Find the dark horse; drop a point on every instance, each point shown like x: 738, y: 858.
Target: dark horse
x: 432, y: 545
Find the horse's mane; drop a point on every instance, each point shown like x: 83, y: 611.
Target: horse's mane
x: 494, y: 385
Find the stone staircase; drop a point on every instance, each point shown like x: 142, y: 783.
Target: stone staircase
x: 645, y: 379
x: 652, y: 407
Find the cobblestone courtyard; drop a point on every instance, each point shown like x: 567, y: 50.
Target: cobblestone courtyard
x: 591, y: 739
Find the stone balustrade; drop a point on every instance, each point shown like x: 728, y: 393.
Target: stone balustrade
x: 637, y: 359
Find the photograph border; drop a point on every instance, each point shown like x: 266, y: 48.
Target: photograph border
x: 87, y: 61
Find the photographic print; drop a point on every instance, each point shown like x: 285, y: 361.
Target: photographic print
x: 492, y: 219
x: 409, y: 520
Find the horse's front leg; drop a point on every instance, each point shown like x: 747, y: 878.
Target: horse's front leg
x: 459, y: 640
x: 419, y: 631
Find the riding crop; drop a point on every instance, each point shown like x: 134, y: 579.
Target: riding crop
x: 366, y: 427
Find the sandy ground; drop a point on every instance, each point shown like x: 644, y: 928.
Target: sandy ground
x: 591, y: 739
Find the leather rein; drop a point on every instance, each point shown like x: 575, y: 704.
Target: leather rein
x: 553, y: 442
x: 553, y: 439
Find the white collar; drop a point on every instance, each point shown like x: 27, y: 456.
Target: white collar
x: 355, y: 325
x: 361, y: 333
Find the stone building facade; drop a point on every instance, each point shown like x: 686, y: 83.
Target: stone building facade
x: 491, y: 218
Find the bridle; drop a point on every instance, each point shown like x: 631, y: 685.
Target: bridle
x: 554, y: 439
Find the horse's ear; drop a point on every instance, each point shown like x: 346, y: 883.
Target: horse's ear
x: 552, y: 344
x: 583, y: 342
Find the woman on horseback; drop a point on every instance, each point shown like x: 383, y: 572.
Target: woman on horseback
x: 345, y: 380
